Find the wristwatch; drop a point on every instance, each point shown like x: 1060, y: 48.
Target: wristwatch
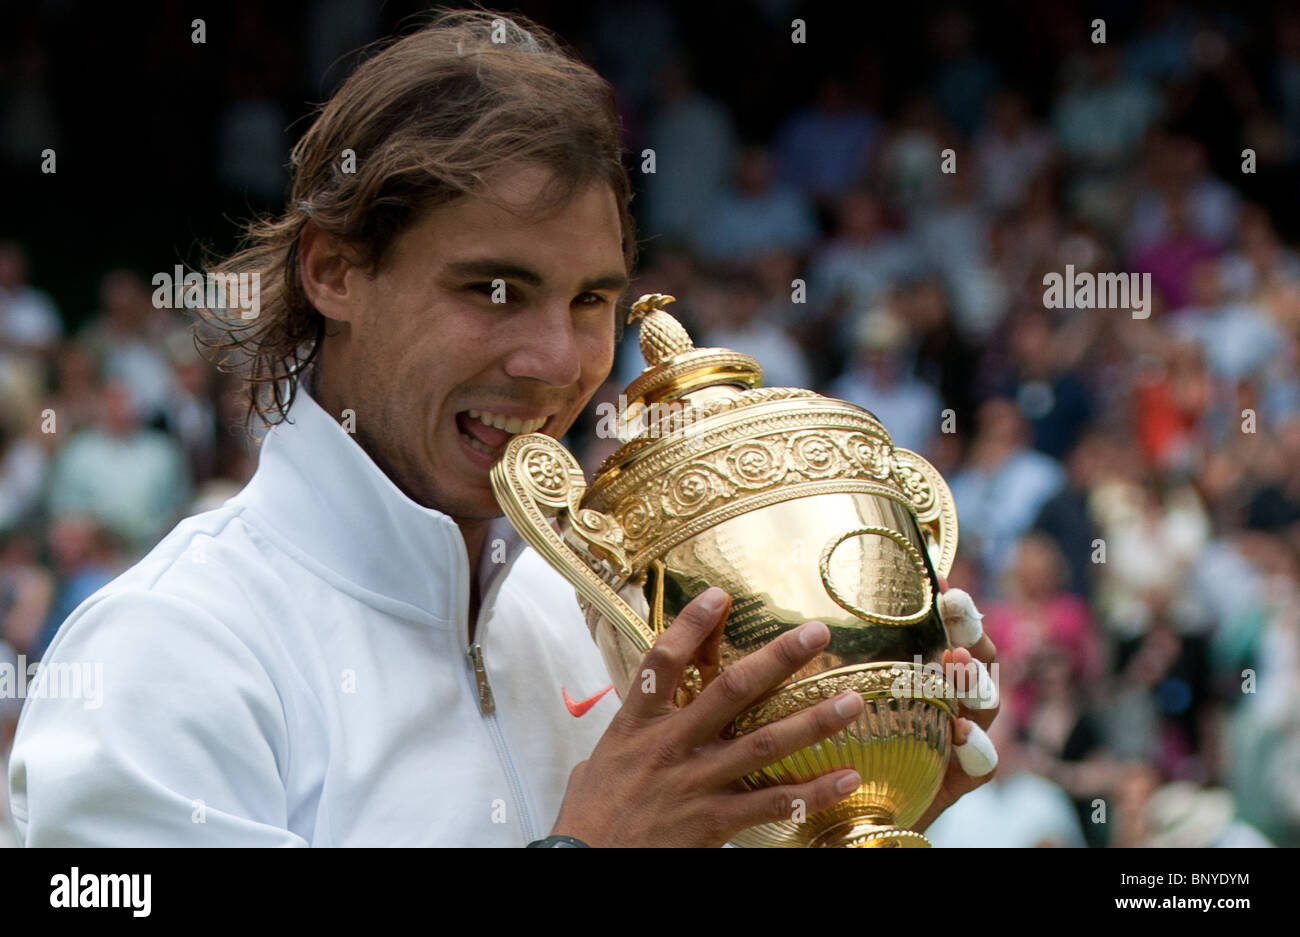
x: 558, y: 842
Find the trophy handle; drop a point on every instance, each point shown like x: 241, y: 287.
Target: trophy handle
x: 537, y: 479
x: 936, y: 511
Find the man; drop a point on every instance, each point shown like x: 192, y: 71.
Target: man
x: 355, y: 650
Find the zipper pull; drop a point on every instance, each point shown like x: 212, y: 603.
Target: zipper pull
x: 485, y: 702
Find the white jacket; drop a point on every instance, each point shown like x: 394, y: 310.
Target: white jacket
x: 292, y: 669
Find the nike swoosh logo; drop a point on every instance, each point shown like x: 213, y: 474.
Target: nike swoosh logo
x: 581, y: 708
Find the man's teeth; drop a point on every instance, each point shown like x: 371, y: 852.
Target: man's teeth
x: 475, y: 444
x: 511, y: 424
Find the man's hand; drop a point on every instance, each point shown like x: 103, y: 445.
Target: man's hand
x: 663, y: 776
x: 974, y: 759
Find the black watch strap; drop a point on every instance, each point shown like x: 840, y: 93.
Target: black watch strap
x: 558, y: 842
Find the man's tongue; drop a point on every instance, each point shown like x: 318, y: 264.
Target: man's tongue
x: 490, y: 436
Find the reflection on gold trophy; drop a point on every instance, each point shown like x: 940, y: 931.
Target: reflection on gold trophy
x: 801, y: 508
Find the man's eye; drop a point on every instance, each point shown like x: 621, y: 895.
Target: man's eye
x: 494, y: 291
x: 590, y: 299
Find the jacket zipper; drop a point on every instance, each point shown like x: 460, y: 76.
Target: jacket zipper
x: 486, y: 704
x: 482, y: 689
x: 487, y: 707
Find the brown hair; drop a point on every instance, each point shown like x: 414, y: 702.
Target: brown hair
x: 429, y: 119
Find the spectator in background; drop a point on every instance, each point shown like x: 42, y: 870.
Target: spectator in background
x: 131, y: 479
x: 1057, y: 404
x: 252, y: 133
x: 944, y: 359
x: 1018, y: 809
x: 1262, y: 760
x: 1170, y: 399
x: 1258, y: 259
x: 964, y: 79
x: 23, y: 462
x: 1066, y: 517
x: 1183, y: 815
x: 951, y: 235
x: 1176, y: 171
x: 1035, y: 621
x: 1153, y: 534
x: 859, y: 265
x: 731, y: 318
x: 756, y: 214
x: 695, y: 148
x: 1064, y: 741
x: 1280, y: 376
x: 77, y: 382
x: 1010, y: 152
x: 191, y: 415
x: 1101, y: 122
x: 879, y: 379
x: 1171, y: 258
x: 29, y: 320
x: 908, y: 167
x: 126, y: 337
x: 1003, y: 484
x: 1236, y: 338
x: 26, y: 591
x: 825, y: 149
x: 85, y: 560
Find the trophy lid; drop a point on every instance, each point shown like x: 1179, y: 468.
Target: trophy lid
x: 676, y: 370
x: 702, y: 440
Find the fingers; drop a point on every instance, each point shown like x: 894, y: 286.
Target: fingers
x: 979, y: 697
x: 770, y: 744
x: 743, y: 683
x: 975, y: 753
x: 964, y: 622
x: 677, y: 647
x: 708, y: 658
x: 976, y: 689
x: 791, y: 802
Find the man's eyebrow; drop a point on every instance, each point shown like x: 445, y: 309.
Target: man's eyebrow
x: 509, y: 270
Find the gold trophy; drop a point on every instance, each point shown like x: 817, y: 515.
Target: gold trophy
x: 801, y: 508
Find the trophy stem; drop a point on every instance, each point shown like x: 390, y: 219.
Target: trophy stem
x: 869, y: 833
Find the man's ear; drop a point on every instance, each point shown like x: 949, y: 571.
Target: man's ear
x: 331, y: 274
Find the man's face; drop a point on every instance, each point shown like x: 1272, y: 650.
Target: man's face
x: 440, y: 376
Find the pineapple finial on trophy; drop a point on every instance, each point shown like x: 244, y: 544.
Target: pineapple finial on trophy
x: 662, y: 336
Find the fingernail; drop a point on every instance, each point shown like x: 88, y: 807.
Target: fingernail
x: 813, y: 635
x: 712, y: 599
x: 848, y: 784
x: 848, y: 704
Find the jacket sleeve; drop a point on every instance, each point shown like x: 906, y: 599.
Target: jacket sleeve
x: 150, y: 723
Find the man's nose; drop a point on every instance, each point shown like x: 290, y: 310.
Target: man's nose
x: 547, y: 346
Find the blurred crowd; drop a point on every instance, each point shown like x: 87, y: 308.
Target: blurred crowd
x: 1128, y: 488
x: 107, y: 438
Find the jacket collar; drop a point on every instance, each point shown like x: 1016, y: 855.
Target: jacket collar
x: 324, y: 500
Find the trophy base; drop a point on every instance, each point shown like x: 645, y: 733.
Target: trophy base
x: 856, y: 834
x: 900, y: 746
